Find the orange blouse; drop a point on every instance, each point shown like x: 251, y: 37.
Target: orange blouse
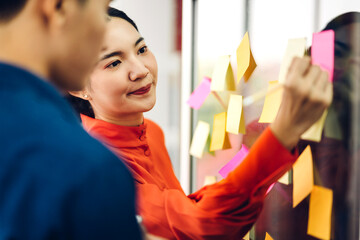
x: 224, y: 210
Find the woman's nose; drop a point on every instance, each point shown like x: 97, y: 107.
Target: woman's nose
x: 138, y: 71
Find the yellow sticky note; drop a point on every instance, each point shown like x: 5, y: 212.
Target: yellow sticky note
x: 223, y: 77
x: 295, y: 48
x: 272, y: 103
x: 284, y: 179
x: 209, y: 180
x: 315, y: 131
x: 245, y: 60
x: 199, y: 139
x: 303, y: 176
x: 247, y: 236
x: 319, y: 224
x: 235, y: 122
x: 219, y: 138
x: 268, y: 237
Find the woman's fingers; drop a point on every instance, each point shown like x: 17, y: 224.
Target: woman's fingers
x: 307, y: 94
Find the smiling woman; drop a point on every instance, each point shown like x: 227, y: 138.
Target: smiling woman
x: 123, y: 86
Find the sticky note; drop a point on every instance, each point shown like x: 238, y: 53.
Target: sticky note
x: 219, y: 138
x: 223, y: 76
x: 322, y: 51
x: 268, y: 237
x: 295, y: 48
x: 235, y: 115
x: 272, y: 103
x: 315, y: 131
x: 303, y: 176
x: 332, y: 128
x: 235, y: 161
x: 209, y: 180
x: 284, y: 179
x: 247, y: 236
x: 199, y: 139
x: 245, y: 60
x: 319, y: 224
x: 199, y: 95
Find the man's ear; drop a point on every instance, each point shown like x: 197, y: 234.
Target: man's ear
x: 54, y: 12
x: 81, y: 94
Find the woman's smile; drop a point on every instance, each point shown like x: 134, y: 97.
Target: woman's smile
x: 142, y: 91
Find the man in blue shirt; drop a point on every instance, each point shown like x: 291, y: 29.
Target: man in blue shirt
x: 56, y: 182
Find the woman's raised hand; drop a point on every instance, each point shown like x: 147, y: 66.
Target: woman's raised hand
x: 307, y: 93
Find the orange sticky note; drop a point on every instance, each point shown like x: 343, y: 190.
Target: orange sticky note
x: 199, y: 140
x: 268, y: 237
x: 303, y: 176
x: 235, y: 115
x: 223, y: 76
x: 319, y: 224
x: 315, y: 131
x: 209, y: 180
x: 219, y: 138
x: 272, y: 103
x: 245, y: 60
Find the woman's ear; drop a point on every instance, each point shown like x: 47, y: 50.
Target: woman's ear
x: 81, y: 94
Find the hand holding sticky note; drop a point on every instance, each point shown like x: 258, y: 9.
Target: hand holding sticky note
x: 303, y: 176
x: 199, y: 95
x: 245, y: 60
x: 319, y: 224
x: 199, y: 139
x: 322, y: 51
x: 235, y: 122
x: 219, y: 139
x: 223, y: 77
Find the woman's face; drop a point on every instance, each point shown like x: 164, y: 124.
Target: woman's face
x: 123, y: 82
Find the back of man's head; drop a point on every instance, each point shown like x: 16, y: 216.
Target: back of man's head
x: 10, y: 8
x: 59, y: 40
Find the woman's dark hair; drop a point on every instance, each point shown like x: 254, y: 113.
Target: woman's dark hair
x: 80, y: 105
x: 342, y: 20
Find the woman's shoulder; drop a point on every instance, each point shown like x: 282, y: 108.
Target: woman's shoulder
x: 153, y: 128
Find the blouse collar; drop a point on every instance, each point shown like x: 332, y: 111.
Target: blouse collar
x: 115, y: 135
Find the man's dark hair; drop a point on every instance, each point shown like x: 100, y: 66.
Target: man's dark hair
x: 10, y: 8
x: 83, y: 106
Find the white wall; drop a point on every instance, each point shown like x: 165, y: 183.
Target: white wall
x: 156, y: 22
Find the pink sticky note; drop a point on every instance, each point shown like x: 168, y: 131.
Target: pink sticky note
x: 322, y: 51
x: 239, y: 157
x: 199, y: 95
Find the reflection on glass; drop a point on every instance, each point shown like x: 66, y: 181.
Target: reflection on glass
x: 333, y: 155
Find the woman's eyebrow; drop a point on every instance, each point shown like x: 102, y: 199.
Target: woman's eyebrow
x: 116, y: 53
x: 139, y: 41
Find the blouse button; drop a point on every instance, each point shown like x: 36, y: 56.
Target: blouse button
x: 147, y: 152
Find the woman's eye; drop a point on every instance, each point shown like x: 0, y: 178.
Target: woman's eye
x: 142, y: 50
x: 113, y: 64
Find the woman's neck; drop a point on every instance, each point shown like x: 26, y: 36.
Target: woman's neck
x: 124, y: 120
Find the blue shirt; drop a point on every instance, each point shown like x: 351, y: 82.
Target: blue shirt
x: 56, y: 182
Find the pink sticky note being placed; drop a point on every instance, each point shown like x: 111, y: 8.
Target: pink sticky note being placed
x: 322, y: 51
x: 199, y: 95
x: 239, y: 157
